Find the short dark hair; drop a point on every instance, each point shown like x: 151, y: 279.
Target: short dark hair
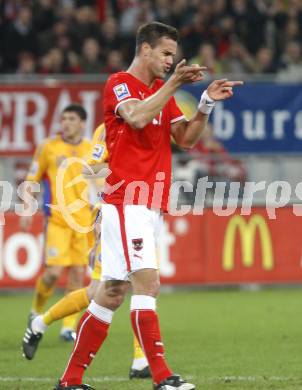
x: 78, y: 109
x: 152, y: 32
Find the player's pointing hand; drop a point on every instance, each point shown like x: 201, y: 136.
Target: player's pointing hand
x: 188, y: 73
x: 222, y: 89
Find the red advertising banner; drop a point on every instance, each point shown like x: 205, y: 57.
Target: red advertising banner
x: 254, y: 248
x: 207, y: 249
x: 21, y: 254
x: 30, y: 113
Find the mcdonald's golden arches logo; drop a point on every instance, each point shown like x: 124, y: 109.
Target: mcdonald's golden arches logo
x: 247, y: 233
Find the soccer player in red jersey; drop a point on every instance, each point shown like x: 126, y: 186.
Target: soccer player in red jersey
x: 141, y: 115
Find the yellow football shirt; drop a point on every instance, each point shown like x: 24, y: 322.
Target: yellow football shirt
x: 59, y: 165
x: 99, y: 153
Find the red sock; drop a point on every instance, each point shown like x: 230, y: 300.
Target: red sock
x: 146, y: 328
x: 91, y: 333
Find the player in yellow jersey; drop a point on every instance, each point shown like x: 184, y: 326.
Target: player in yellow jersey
x: 57, y: 163
x: 79, y: 300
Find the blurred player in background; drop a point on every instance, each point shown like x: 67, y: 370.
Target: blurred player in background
x: 140, y: 116
x: 78, y: 300
x: 65, y: 248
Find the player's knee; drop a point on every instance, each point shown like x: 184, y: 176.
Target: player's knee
x: 152, y: 288
x: 116, y: 295
x: 77, y: 275
x: 50, y: 277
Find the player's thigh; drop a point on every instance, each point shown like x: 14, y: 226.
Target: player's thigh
x: 57, y: 245
x: 79, y: 249
x: 128, y: 240
x: 114, y: 263
x: 140, y: 229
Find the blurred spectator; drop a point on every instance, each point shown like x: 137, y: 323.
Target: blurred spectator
x: 26, y: 64
x: 110, y: 38
x: 250, y: 23
x: 50, y: 38
x: 197, y: 30
x: 90, y: 60
x: 265, y: 61
x: 291, y: 62
x: 114, y: 62
x: 223, y: 30
x: 44, y: 15
x: 137, y: 13
x: 19, y: 35
x: 290, y: 32
x: 37, y: 26
x: 207, y: 57
x: 55, y: 61
x: 182, y: 12
x: 84, y: 25
x: 72, y: 63
x: 52, y: 62
x: 162, y: 12
x: 237, y: 60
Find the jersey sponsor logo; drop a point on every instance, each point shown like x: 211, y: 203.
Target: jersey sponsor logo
x: 121, y: 91
x: 98, y: 151
x: 137, y: 244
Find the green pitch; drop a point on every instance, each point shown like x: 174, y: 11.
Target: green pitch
x: 218, y: 340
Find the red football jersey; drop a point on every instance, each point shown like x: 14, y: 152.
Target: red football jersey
x: 140, y: 159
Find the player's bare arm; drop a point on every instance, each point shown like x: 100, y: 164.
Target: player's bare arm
x: 186, y: 134
x: 99, y: 170
x: 138, y: 113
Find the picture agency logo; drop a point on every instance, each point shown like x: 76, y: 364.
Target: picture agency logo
x: 227, y: 198
x: 242, y: 233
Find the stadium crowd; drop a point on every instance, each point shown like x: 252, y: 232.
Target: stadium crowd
x: 97, y: 36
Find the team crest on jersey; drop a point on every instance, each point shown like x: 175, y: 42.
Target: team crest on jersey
x: 121, y: 91
x: 137, y: 244
x: 98, y: 151
x: 53, y: 251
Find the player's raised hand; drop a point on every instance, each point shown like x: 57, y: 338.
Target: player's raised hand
x: 222, y: 89
x: 184, y: 73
